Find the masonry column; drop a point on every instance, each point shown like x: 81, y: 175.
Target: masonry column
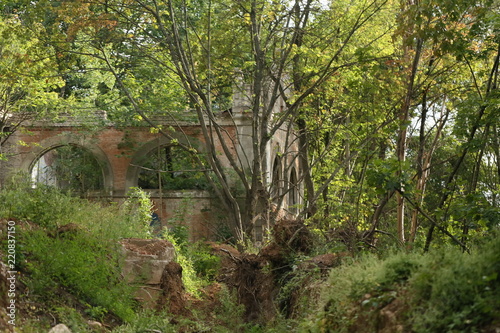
x: 111, y: 141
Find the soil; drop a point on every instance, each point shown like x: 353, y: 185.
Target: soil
x: 324, y: 261
x: 292, y: 235
x: 173, y: 296
x: 147, y: 247
x: 68, y: 231
x: 244, y: 273
x: 257, y: 278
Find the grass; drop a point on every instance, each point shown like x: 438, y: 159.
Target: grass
x: 85, y: 261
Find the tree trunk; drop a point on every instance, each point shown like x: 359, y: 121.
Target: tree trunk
x: 401, y: 147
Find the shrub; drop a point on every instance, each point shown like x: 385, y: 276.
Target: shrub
x: 398, y: 268
x: 138, y: 209
x: 44, y: 205
x: 346, y: 285
x: 457, y: 292
x: 442, y: 291
x: 205, y: 263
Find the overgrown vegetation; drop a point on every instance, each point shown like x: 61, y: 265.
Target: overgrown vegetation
x: 445, y: 290
x: 70, y: 244
x: 374, y: 121
x: 70, y: 262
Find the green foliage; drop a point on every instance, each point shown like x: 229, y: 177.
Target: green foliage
x: 443, y: 291
x: 178, y: 223
x: 389, y: 175
x: 71, y: 318
x: 96, y: 312
x: 229, y: 304
x: 299, y: 289
x: 346, y: 283
x: 172, y: 168
x: 26, y: 69
x: 205, y: 263
x: 178, y: 235
x: 77, y: 264
x: 84, y: 260
x: 225, y: 317
x: 472, y: 216
x: 456, y: 292
x: 138, y: 210
x: 198, y: 264
x: 45, y: 205
x: 398, y: 269
x: 346, y: 68
x: 191, y: 281
x: 346, y: 64
x: 145, y: 321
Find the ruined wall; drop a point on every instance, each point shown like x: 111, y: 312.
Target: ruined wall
x: 119, y: 152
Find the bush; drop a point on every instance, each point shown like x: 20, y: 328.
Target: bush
x: 205, y: 263
x: 442, y: 291
x: 45, y: 205
x: 457, y: 292
x: 138, y: 209
x: 399, y: 268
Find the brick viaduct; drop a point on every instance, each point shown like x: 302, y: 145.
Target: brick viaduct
x: 119, y: 152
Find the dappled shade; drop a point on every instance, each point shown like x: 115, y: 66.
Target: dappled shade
x: 68, y: 167
x: 171, y: 168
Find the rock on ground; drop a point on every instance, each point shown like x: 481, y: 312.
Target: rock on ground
x: 60, y: 328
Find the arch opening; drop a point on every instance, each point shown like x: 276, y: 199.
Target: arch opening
x: 169, y: 167
x: 276, y: 180
x: 293, y: 192
x: 68, y: 167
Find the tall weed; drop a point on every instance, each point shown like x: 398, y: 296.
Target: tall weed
x: 45, y: 205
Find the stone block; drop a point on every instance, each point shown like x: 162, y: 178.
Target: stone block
x: 145, y: 260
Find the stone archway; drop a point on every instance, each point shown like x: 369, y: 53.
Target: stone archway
x: 142, y: 154
x: 293, y: 192
x: 30, y: 159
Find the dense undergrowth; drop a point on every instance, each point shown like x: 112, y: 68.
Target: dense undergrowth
x: 68, y: 248
x: 74, y: 277
x: 442, y: 291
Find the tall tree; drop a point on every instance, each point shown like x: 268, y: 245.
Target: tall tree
x: 27, y: 84
x: 277, y: 50
x: 445, y: 37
